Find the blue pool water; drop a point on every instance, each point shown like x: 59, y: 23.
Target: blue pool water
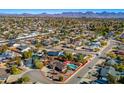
x: 72, y: 66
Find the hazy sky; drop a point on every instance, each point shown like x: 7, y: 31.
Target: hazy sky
x: 54, y: 11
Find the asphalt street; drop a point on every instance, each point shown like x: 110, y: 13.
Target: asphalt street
x: 38, y: 76
x: 85, y: 69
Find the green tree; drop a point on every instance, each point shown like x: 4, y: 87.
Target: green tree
x: 18, y: 60
x: 119, y: 67
x: 37, y: 45
x: 80, y: 57
x: 45, y: 52
x: 3, y: 48
x: 14, y: 70
x: 61, y: 78
x: 111, y: 79
x: 68, y: 56
x: 27, y: 54
x: 38, y: 64
x: 96, y: 49
x: 84, y: 61
x: 112, y: 55
x: 121, y: 80
x: 103, y: 43
x: 24, y: 79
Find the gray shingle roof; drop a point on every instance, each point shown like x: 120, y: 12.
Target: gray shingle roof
x: 108, y: 70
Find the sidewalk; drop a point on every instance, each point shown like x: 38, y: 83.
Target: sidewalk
x: 78, y: 69
x: 85, y: 63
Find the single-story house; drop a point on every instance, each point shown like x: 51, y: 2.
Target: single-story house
x: 121, y: 74
x: 35, y: 33
x: 33, y: 41
x: 122, y: 36
x: 11, y: 42
x: 7, y: 55
x: 23, y: 48
x: 50, y: 30
x: 28, y: 62
x: 105, y: 71
x: 46, y: 42
x: 100, y: 81
x: 55, y: 40
x: 120, y: 52
x: 59, y: 66
x: 39, y: 54
x: 112, y: 62
x: 110, y: 34
x: 121, y: 47
x: 77, y: 43
x: 52, y: 53
x: 94, y: 44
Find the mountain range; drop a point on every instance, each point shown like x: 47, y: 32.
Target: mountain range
x: 73, y: 14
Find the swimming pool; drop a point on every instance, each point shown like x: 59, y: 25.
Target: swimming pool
x: 72, y: 66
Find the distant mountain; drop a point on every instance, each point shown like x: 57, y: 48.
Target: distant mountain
x: 94, y: 15
x: 74, y: 14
